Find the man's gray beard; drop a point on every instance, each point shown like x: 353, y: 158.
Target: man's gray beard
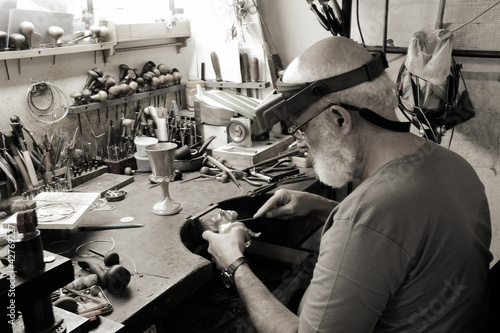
x: 335, y: 161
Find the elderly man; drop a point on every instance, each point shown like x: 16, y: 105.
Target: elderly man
x: 408, y: 249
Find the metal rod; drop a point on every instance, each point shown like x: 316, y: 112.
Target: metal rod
x: 386, y: 20
x: 439, y: 22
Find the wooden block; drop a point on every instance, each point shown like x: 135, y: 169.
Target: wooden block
x: 241, y: 157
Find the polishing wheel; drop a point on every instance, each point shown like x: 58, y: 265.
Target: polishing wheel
x: 237, y: 131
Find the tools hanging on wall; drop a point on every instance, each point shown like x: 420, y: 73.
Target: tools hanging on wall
x: 331, y: 19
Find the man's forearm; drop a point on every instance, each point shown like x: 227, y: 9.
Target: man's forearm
x: 265, y: 311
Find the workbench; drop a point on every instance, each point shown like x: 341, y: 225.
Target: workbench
x: 164, y: 271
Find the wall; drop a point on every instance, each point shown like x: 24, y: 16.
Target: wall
x: 294, y: 27
x: 69, y: 73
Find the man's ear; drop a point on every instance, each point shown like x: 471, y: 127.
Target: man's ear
x: 342, y: 118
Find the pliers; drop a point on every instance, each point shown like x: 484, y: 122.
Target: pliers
x: 332, y: 19
x: 280, y: 166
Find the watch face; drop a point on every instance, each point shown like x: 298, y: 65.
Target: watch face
x: 226, y: 278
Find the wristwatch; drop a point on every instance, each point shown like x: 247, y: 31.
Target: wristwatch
x: 228, y: 273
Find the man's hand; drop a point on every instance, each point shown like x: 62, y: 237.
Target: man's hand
x: 286, y: 204
x: 226, y: 248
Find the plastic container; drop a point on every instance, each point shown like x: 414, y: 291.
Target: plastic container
x: 141, y: 142
x: 143, y: 164
x: 191, y: 92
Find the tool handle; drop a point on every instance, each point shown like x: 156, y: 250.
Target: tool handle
x: 22, y: 169
x: 254, y: 69
x: 322, y: 20
x: 216, y: 65
x: 245, y: 64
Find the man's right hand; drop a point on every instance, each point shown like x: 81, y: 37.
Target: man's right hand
x: 286, y: 204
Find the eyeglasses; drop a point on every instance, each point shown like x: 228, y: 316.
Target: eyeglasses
x: 296, y: 131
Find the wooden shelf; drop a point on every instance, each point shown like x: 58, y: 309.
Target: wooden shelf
x: 76, y: 109
x: 141, y: 36
x: 52, y: 51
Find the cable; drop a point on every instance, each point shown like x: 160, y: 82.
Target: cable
x: 359, y: 25
x: 484, y: 12
x: 112, y: 241
x: 58, y: 107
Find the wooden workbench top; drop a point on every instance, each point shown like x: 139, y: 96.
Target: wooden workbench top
x: 164, y: 271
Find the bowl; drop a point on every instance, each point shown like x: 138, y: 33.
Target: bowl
x: 189, y: 165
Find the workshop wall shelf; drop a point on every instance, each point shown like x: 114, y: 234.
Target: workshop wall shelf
x: 54, y: 51
x: 76, y: 109
x: 140, y: 36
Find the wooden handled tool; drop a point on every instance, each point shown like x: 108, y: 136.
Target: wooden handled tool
x: 245, y: 64
x: 56, y: 33
x: 17, y: 40
x: 27, y: 29
x: 216, y: 65
x: 254, y: 69
x: 3, y: 46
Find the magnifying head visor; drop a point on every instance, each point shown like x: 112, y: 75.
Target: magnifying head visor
x: 290, y: 98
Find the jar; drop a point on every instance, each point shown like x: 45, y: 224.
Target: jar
x: 191, y: 92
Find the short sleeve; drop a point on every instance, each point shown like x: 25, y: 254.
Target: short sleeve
x: 357, y: 272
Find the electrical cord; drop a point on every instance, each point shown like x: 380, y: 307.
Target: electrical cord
x: 359, y: 25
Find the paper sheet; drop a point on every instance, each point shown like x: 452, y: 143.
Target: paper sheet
x: 481, y: 34
x: 59, y: 210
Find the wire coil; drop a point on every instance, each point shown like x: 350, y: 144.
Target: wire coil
x: 46, y: 102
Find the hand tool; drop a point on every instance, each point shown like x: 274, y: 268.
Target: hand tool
x: 254, y: 73
x: 110, y: 226
x: 262, y: 190
x: 279, y: 166
x: 115, y: 279
x: 4, y: 47
x: 17, y: 40
x: 216, y: 65
x: 56, y: 33
x: 110, y: 259
x: 27, y: 29
x: 290, y: 152
x: 21, y: 166
x: 227, y: 170
x: 9, y: 173
x: 15, y: 123
x: 322, y: 20
x: 327, y: 11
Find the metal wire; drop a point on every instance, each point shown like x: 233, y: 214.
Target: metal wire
x: 58, y: 107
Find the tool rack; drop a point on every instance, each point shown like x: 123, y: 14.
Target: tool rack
x: 77, y: 109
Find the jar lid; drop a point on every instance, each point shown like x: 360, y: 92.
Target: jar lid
x: 192, y: 84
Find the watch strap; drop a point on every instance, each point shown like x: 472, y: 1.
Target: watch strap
x: 228, y: 273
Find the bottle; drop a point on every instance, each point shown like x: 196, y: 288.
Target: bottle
x: 191, y: 92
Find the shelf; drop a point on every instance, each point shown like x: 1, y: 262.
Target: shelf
x: 141, y: 36
x: 234, y: 85
x: 51, y: 51
x: 76, y: 109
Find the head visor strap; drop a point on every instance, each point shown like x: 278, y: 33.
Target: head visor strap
x: 292, y: 98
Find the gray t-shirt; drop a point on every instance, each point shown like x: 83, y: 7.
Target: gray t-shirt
x: 406, y: 251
